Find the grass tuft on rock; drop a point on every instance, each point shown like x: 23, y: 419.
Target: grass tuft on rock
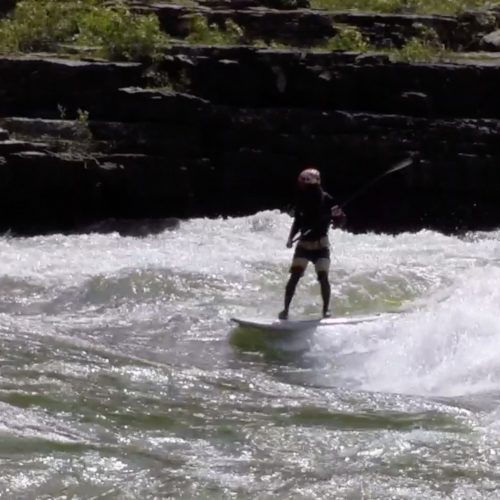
x: 404, y: 6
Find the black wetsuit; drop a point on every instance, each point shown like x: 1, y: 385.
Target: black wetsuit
x: 313, y: 215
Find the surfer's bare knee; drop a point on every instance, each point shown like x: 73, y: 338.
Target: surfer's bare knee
x: 322, y: 265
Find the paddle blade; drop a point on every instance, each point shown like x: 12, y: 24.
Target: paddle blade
x: 402, y: 164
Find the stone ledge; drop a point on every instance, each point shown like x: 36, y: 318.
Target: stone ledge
x: 307, y: 27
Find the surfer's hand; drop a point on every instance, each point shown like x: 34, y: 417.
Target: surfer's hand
x: 289, y: 243
x: 338, y: 217
x: 337, y: 211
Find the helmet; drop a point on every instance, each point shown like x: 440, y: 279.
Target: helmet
x: 309, y: 176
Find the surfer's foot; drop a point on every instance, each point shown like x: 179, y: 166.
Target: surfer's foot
x: 326, y: 314
x: 283, y: 314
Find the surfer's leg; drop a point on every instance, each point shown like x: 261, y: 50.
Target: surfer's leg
x: 322, y: 265
x: 325, y: 292
x: 295, y: 275
x: 299, y: 265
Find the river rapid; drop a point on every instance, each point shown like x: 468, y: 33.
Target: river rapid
x: 121, y: 375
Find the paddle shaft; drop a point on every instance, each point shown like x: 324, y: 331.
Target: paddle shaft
x: 399, y: 166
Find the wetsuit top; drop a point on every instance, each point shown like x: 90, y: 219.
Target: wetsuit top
x: 313, y: 215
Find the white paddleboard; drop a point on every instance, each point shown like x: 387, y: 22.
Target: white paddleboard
x: 279, y: 325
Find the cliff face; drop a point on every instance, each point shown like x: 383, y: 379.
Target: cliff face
x: 83, y: 142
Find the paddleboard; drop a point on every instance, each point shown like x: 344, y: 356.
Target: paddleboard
x: 279, y: 325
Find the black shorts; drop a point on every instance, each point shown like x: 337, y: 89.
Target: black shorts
x: 306, y: 252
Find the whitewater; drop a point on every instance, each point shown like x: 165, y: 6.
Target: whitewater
x: 121, y: 375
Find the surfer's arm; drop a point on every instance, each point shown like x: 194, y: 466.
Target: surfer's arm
x: 293, y: 231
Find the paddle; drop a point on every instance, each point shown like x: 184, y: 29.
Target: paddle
x: 399, y: 166
x: 395, y: 168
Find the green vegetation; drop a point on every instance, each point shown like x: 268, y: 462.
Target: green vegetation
x: 110, y: 29
x: 62, y: 111
x: 113, y: 31
x: 121, y: 34
x: 425, y: 47
x: 403, y: 6
x: 418, y: 50
x: 348, y: 38
x: 158, y: 80
x: 270, y: 44
x: 83, y: 116
x: 204, y: 34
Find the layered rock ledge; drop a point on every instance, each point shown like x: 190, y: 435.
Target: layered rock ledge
x: 211, y: 131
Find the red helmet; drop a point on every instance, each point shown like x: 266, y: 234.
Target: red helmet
x: 309, y: 176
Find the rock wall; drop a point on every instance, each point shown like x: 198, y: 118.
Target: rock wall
x: 212, y: 131
x: 308, y: 28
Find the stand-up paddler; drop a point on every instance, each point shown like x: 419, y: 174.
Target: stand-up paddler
x: 315, y: 212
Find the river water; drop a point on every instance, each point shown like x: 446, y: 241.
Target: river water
x: 122, y: 377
